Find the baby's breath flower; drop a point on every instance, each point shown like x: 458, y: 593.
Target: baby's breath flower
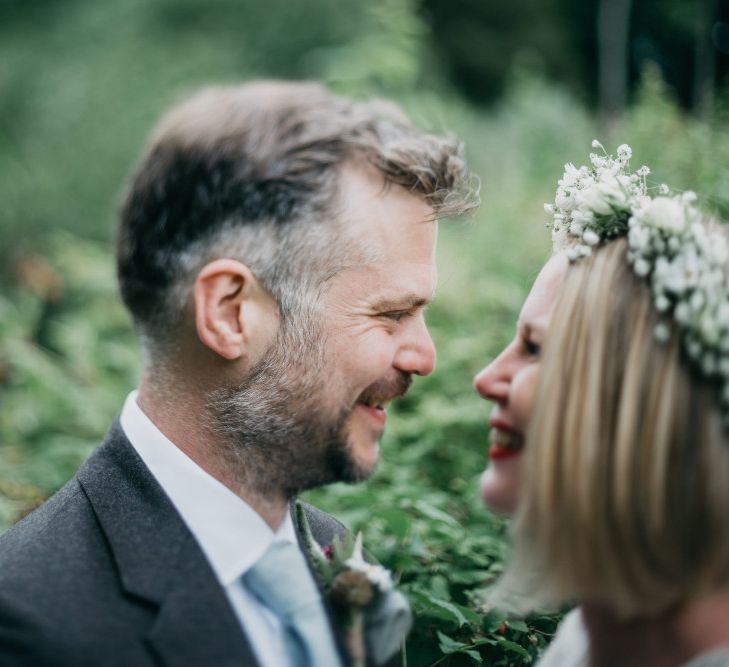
x: 662, y: 332
x: 662, y: 303
x: 590, y: 238
x: 684, y: 262
x: 625, y: 152
x: 642, y: 267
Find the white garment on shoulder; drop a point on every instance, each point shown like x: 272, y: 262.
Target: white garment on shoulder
x: 570, y: 646
x: 719, y: 658
x: 231, y: 534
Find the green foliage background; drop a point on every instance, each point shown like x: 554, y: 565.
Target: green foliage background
x: 81, y: 83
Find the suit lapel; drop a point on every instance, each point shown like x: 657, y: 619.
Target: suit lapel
x: 323, y: 538
x: 195, y: 624
x: 160, y: 562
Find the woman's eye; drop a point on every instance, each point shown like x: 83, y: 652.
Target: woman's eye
x: 533, y: 349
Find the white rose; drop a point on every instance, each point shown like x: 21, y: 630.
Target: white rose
x: 593, y: 199
x: 665, y: 213
x: 601, y: 197
x: 612, y: 189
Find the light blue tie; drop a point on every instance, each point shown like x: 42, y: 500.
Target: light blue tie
x: 281, y: 580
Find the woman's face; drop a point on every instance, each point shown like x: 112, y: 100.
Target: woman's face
x: 509, y: 381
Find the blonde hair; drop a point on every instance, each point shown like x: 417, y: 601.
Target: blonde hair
x: 626, y: 492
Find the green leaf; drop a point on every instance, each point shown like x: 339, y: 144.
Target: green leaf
x: 448, y: 644
x: 514, y: 648
x: 451, y: 608
x: 519, y: 626
x: 436, y: 514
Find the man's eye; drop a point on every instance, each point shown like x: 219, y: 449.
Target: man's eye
x: 396, y: 315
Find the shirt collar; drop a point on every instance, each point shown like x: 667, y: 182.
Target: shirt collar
x: 230, y: 532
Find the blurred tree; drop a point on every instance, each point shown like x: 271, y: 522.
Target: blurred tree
x: 706, y: 56
x: 613, y: 27
x: 81, y: 83
x: 480, y: 42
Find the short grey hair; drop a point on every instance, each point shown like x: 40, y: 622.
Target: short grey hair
x: 251, y: 172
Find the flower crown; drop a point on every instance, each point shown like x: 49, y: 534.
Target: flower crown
x: 683, y: 261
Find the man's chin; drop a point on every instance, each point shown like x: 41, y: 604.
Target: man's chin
x: 355, y: 463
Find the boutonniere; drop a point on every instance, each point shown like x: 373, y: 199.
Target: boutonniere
x: 372, y: 615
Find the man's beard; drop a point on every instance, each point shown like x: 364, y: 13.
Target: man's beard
x: 282, y: 436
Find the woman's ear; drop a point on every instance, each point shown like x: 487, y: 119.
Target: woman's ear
x: 232, y: 311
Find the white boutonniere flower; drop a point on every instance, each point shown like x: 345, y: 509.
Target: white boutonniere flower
x: 373, y: 616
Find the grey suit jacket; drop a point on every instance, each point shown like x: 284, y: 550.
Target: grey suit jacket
x: 106, y: 573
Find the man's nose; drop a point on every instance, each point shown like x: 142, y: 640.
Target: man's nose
x: 493, y: 382
x: 417, y: 353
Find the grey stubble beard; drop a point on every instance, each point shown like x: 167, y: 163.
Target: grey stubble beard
x: 280, y: 436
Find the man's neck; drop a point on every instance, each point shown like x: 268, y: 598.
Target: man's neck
x: 180, y: 417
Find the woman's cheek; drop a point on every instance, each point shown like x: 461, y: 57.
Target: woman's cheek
x: 522, y: 395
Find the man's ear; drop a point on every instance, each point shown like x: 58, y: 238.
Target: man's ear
x: 232, y: 311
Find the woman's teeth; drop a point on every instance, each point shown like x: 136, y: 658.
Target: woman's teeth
x: 505, y: 439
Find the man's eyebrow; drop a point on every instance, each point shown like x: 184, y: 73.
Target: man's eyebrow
x: 401, y: 302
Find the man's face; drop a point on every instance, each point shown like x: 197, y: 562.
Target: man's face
x: 313, y: 409
x: 373, y: 312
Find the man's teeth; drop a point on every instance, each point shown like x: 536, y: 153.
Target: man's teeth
x: 379, y: 406
x: 506, y: 439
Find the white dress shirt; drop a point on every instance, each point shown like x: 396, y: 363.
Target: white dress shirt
x: 232, y: 535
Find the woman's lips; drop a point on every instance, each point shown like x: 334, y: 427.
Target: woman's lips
x: 505, y: 441
x: 498, y: 453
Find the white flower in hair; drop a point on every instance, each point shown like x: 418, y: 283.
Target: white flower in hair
x: 565, y: 199
x: 665, y: 213
x: 683, y: 261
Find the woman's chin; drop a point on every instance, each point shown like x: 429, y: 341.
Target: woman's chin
x: 500, y: 485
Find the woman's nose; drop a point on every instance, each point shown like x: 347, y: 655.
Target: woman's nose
x: 493, y: 382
